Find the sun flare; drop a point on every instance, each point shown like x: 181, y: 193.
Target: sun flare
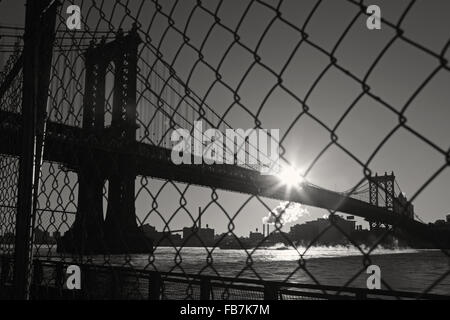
x: 291, y: 176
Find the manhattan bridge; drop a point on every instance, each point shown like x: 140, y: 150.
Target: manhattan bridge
x: 85, y: 123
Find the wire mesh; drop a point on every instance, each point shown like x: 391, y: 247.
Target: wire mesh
x: 104, y: 186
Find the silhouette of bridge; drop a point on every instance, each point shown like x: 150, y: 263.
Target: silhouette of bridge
x: 97, y: 152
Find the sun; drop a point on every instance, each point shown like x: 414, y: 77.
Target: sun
x: 291, y: 176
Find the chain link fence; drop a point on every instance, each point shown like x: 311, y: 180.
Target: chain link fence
x: 109, y: 198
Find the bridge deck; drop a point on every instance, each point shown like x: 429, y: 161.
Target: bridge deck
x: 67, y: 145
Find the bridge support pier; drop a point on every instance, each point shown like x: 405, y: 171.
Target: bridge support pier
x: 86, y: 235
x: 120, y: 227
x: 118, y: 233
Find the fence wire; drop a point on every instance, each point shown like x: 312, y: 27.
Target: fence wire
x: 253, y: 64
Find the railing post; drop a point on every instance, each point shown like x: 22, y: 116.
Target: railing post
x: 205, y: 289
x: 6, y: 267
x: 59, y: 278
x: 270, y: 292
x: 37, y: 278
x: 37, y: 54
x: 117, y: 278
x: 85, y: 280
x: 154, y: 286
x: 361, y: 295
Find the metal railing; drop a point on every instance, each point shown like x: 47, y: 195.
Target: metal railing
x: 115, y: 282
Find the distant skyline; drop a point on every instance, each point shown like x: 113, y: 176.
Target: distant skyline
x: 395, y: 78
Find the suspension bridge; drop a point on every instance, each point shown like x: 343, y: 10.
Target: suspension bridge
x: 98, y: 151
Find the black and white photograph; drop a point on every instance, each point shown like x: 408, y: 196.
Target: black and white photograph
x: 226, y: 155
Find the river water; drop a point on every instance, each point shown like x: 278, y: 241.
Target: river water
x: 402, y: 269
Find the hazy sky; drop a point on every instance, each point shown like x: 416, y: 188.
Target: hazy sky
x: 394, y: 79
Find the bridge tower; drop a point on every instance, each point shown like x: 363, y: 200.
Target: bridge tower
x: 385, y: 184
x: 118, y: 232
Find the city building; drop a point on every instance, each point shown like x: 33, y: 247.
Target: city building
x: 277, y: 237
x: 256, y: 236
x: 441, y: 223
x: 161, y: 238
x: 42, y: 237
x: 198, y: 237
x: 334, y: 234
